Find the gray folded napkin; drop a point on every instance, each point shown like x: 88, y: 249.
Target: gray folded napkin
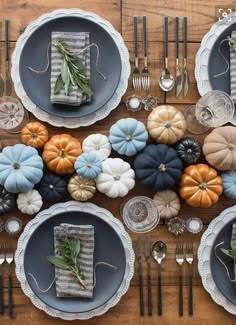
x: 76, y: 42
x: 233, y: 246
x: 233, y: 70
x: 66, y: 283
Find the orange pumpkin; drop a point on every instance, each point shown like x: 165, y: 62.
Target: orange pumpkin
x: 200, y: 186
x: 34, y: 134
x: 60, y: 153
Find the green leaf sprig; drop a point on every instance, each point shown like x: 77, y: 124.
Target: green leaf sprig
x: 69, y: 250
x: 73, y: 72
x: 229, y: 252
x: 232, y: 43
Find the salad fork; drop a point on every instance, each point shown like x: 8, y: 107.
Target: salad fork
x: 145, y: 72
x: 189, y: 259
x: 136, y: 73
x: 2, y: 260
x: 9, y: 260
x: 179, y: 256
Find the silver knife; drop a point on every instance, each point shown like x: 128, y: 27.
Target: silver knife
x: 138, y: 254
x: 186, y: 76
x: 178, y: 77
x: 8, y: 86
x: 1, y: 77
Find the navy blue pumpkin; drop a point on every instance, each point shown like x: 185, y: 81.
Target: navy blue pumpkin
x: 7, y: 201
x: 188, y: 150
x: 52, y: 187
x: 158, y: 167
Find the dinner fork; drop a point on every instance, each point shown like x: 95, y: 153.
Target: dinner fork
x: 138, y: 254
x: 179, y: 256
x: 145, y: 72
x: 2, y: 260
x: 9, y: 260
x: 189, y: 259
x: 1, y: 77
x: 136, y: 73
x: 147, y: 254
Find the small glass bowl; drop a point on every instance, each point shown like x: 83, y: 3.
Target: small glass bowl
x: 140, y: 214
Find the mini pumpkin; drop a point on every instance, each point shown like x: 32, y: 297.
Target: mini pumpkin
x: 219, y: 148
x: 60, y: 153
x: 81, y: 188
x: 52, y: 187
x: 88, y: 165
x: 99, y: 144
x: 200, y: 186
x: 229, y: 183
x: 34, y: 134
x: 20, y: 168
x: 116, y: 179
x: 166, y: 124
x: 188, y: 150
x: 29, y: 202
x: 168, y: 203
x: 128, y: 136
x: 7, y: 201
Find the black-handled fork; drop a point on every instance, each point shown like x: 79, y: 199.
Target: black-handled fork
x: 2, y: 260
x: 138, y: 254
x: 147, y: 253
x: 8, y: 82
x: 9, y: 260
x: 189, y: 259
x: 179, y: 255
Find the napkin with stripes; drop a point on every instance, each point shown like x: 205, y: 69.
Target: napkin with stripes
x: 76, y: 42
x: 66, y: 283
x: 233, y: 70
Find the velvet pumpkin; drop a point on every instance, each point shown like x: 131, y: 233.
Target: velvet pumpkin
x: 7, y: 201
x: 20, y: 168
x: 158, y: 167
x: 200, y: 186
x: 88, y: 165
x: 34, y: 134
x: 128, y: 136
x: 52, y: 187
x: 229, y: 183
x: 188, y: 150
x: 60, y: 153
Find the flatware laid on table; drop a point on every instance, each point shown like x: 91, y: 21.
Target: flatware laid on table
x: 145, y: 75
x: 147, y: 253
x: 8, y: 85
x: 189, y: 259
x: 138, y: 254
x: 137, y: 83
x: 9, y: 260
x: 179, y: 256
x: 178, y: 76
x: 159, y: 250
x: 186, y: 75
x: 2, y: 260
x: 1, y: 77
x: 166, y: 80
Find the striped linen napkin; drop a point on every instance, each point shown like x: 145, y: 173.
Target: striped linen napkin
x: 76, y: 42
x: 66, y: 283
x: 233, y: 246
x: 233, y: 70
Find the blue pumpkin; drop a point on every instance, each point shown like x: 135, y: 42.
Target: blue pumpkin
x: 52, y: 187
x: 128, y: 136
x: 229, y: 183
x: 158, y: 167
x: 21, y: 168
x: 88, y: 165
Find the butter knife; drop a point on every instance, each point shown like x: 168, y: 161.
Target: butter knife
x: 8, y: 85
x: 186, y: 76
x: 1, y: 77
x: 139, y: 258
x: 178, y: 77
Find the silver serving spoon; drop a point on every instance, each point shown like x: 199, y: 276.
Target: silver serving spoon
x: 159, y: 250
x: 166, y: 80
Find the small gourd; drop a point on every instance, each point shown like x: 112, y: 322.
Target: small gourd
x: 29, y: 202
x: 168, y: 203
x: 88, y: 165
x: 7, y: 201
x: 99, y: 144
x: 34, y: 134
x: 229, y: 183
x: 188, y: 150
x: 81, y: 188
x: 52, y: 187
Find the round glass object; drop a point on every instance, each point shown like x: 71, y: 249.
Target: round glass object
x: 140, y: 214
x: 192, y: 124
x: 12, y: 113
x: 214, y: 109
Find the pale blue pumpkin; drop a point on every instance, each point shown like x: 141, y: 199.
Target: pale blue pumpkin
x: 128, y: 136
x: 88, y: 165
x: 229, y: 183
x: 21, y: 168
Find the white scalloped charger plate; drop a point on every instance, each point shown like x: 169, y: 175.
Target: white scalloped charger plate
x: 100, y: 213
x: 204, y: 253
x: 85, y: 120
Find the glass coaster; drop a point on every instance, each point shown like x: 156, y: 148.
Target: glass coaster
x: 176, y: 226
x: 140, y: 214
x: 192, y: 124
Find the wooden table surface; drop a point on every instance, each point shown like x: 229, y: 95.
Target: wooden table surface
x: 202, y: 15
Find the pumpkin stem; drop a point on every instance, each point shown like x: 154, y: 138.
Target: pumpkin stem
x: 189, y: 150
x: 162, y: 168
x: 203, y: 186
x: 89, y: 165
x: 16, y: 165
x: 62, y: 153
x: 116, y: 177
x: 34, y: 135
x: 128, y: 138
x: 97, y: 147
x: 168, y: 125
x: 87, y: 187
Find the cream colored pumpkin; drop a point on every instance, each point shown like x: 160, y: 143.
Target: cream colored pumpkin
x: 219, y: 148
x: 97, y: 143
x: 29, y: 202
x: 168, y: 203
x: 166, y: 124
x: 81, y: 188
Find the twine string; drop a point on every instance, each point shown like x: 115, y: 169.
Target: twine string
x: 225, y: 266
x: 224, y: 58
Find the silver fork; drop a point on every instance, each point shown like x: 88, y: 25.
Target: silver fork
x: 136, y: 73
x: 189, y: 259
x: 2, y: 260
x: 9, y: 260
x: 145, y: 72
x: 179, y: 256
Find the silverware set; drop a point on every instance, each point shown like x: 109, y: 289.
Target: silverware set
x: 5, y: 86
x: 158, y: 251
x: 6, y: 256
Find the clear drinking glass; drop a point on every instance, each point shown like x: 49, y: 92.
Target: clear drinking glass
x: 192, y: 124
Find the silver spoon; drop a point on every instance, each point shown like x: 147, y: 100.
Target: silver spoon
x: 166, y: 80
x: 159, y: 250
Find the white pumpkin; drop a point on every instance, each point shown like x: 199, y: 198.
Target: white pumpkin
x: 98, y: 144
x: 116, y: 179
x: 29, y: 202
x: 168, y: 203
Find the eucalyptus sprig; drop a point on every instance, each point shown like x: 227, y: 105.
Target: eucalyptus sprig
x: 69, y: 250
x: 73, y: 72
